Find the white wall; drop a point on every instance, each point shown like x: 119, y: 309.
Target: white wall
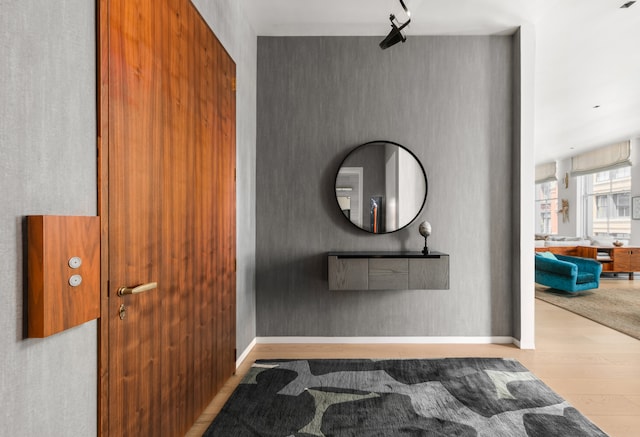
x: 570, y: 228
x: 523, y: 212
x: 411, y: 187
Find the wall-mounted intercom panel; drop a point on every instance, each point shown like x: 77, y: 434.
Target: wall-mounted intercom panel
x: 63, y: 272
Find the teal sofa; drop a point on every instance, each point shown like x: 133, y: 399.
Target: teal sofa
x: 567, y: 273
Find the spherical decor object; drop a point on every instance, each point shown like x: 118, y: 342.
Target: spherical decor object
x: 425, y: 229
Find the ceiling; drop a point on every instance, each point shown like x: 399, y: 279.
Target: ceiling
x: 587, y: 53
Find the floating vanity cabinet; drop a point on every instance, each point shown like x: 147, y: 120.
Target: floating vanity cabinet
x: 388, y: 271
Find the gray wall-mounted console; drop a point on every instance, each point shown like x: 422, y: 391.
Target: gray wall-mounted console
x: 388, y: 271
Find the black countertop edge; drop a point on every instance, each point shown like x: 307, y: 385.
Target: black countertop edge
x: 382, y: 254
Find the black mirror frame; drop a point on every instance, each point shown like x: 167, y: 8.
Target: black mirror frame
x: 424, y: 173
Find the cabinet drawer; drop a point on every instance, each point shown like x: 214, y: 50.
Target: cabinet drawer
x: 388, y: 274
x: 348, y: 273
x: 429, y: 273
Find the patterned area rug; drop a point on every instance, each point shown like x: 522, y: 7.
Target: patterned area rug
x: 617, y: 308
x: 369, y: 398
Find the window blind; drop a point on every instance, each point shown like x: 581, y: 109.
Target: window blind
x: 546, y: 172
x: 602, y: 159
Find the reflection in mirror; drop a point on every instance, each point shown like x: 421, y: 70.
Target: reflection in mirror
x: 381, y: 187
x: 349, y: 193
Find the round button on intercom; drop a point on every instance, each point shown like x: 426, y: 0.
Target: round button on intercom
x: 75, y: 262
x: 75, y: 280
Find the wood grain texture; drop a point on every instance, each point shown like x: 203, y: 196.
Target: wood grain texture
x: 622, y: 259
x: 432, y: 274
x: 53, y: 304
x: 102, y: 9
x: 562, y: 250
x: 348, y: 274
x: 625, y: 259
x: 388, y: 274
x: 171, y: 216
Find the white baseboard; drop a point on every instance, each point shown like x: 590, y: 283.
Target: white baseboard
x: 243, y: 355
x: 385, y: 340
x: 378, y: 340
x: 524, y: 345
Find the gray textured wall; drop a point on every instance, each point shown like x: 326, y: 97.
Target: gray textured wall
x: 228, y: 22
x: 449, y: 100
x: 47, y: 166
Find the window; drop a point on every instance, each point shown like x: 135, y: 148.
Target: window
x: 622, y: 205
x: 607, y: 203
x: 547, y: 207
x: 601, y: 206
x: 621, y: 173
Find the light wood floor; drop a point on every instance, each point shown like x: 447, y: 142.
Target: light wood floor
x: 593, y: 367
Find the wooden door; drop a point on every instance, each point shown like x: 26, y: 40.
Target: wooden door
x: 167, y: 202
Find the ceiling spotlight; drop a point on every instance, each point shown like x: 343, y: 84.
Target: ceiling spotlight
x: 396, y: 36
x: 627, y: 5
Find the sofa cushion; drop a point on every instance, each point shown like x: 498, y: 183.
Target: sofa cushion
x: 584, y: 278
x: 548, y: 255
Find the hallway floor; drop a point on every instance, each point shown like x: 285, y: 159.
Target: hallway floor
x: 593, y: 367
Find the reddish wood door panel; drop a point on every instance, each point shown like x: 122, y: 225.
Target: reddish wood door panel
x: 626, y: 259
x: 169, y: 144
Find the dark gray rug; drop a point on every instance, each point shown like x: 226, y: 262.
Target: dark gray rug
x: 369, y: 398
x: 617, y: 308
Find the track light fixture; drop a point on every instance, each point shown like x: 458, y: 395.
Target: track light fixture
x: 396, y: 36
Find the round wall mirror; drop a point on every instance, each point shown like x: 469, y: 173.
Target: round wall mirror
x: 381, y: 187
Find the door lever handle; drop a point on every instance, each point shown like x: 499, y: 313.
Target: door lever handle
x: 139, y: 289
